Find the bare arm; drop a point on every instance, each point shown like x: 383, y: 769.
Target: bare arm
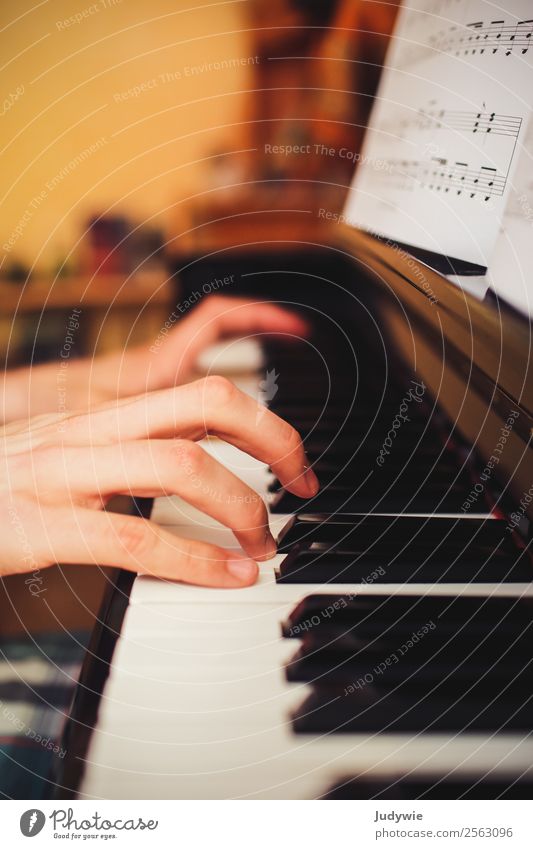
x: 168, y: 361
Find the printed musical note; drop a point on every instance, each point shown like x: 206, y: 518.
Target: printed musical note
x: 467, y: 122
x: 496, y: 36
x: 453, y: 104
x: 475, y: 38
x: 438, y: 175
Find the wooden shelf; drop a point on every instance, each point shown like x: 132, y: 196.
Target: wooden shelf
x: 86, y: 292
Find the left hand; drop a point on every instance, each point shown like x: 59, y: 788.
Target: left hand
x: 32, y: 391
x: 171, y: 360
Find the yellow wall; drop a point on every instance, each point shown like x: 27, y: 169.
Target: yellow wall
x: 144, y: 148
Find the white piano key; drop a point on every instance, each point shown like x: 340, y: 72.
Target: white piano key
x: 167, y: 695
x: 148, y: 590
x: 240, y: 716
x: 279, y: 765
x: 233, y: 357
x: 179, y: 622
x: 199, y: 664
x: 197, y: 706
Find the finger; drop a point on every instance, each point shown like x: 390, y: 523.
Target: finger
x: 106, y: 539
x: 220, y: 316
x: 151, y: 469
x: 209, y: 406
x: 240, y: 315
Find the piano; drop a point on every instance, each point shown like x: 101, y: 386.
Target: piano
x: 387, y: 650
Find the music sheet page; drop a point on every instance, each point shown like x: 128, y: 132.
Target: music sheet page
x: 449, y: 121
x: 510, y: 271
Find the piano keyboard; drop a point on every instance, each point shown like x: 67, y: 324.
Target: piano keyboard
x: 385, y: 651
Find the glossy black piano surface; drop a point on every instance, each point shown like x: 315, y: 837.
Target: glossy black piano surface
x: 400, y: 423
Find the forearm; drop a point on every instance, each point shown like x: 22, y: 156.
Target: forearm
x: 34, y: 390
x: 67, y: 385
x: 58, y: 387
x: 14, y: 395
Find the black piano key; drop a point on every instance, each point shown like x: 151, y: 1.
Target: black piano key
x: 355, y: 426
x: 374, y: 709
x: 320, y: 385
x: 424, y: 464
x: 307, y: 412
x: 342, y: 451
x: 356, y: 422
x: 414, y: 499
x: 357, y: 475
x: 319, y: 563
x: 442, y: 787
x: 362, y: 487
x: 317, y: 390
x: 427, y: 654
x: 441, y: 473
x: 359, y: 532
x: 378, y: 615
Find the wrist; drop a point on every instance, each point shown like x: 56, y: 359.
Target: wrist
x: 121, y: 374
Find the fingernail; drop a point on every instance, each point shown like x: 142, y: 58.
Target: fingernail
x: 243, y: 569
x: 271, y: 548
x: 311, y: 480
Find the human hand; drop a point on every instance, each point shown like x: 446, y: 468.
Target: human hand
x: 171, y: 358
x: 168, y: 361
x: 60, y: 471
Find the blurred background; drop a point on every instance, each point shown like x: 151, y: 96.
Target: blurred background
x: 136, y: 136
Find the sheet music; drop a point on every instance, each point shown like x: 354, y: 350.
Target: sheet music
x: 449, y: 119
x: 510, y: 272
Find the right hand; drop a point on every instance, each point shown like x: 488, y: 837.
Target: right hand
x: 60, y: 471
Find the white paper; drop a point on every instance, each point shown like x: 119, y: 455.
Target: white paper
x: 449, y: 117
x: 511, y: 267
